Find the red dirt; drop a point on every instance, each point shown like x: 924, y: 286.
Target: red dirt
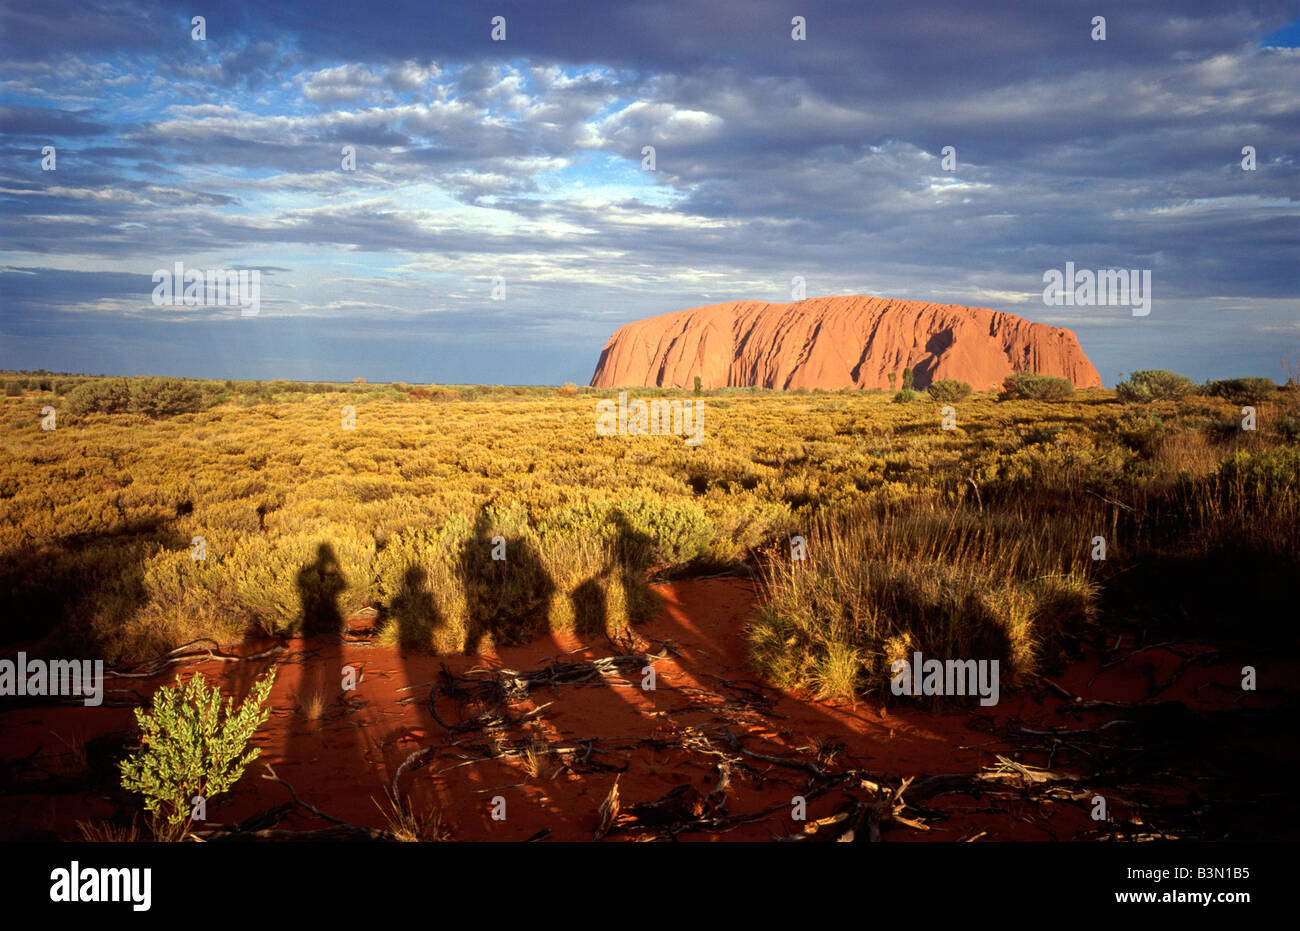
x: 343, y: 763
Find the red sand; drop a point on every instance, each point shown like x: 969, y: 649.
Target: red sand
x: 343, y: 763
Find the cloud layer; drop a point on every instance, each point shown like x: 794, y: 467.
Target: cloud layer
x: 523, y: 159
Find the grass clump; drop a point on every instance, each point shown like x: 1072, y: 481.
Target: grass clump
x: 878, y: 585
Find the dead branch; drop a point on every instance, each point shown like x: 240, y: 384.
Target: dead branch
x: 492, y: 689
x: 183, y: 654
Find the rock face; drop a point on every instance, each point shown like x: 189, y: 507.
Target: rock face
x: 836, y: 342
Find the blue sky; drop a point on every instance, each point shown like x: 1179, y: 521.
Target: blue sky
x: 522, y: 158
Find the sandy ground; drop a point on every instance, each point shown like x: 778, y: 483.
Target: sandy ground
x: 1187, y: 753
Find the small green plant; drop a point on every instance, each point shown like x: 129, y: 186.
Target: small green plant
x: 949, y: 390
x: 12, y: 389
x: 192, y: 747
x: 1267, y: 475
x: 699, y: 385
x: 907, y: 379
x: 893, y: 380
x: 906, y: 395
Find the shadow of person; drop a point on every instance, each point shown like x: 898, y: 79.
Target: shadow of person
x: 591, y: 606
x: 414, y: 612
x: 630, y: 553
x: 507, y: 588
x: 320, y: 583
x: 321, y: 756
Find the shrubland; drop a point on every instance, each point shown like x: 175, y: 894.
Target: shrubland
x: 971, y: 541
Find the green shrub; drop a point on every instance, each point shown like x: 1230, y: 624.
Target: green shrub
x: 1030, y: 386
x: 1142, y: 432
x: 192, y: 746
x: 1223, y: 429
x: 12, y: 389
x: 162, y: 397
x: 101, y: 396
x: 1250, y: 390
x: 908, y: 379
x: 907, y: 394
x: 1271, y: 475
x: 1154, y: 385
x: 949, y: 390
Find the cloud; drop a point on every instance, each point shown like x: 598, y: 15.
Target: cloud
x: 774, y: 158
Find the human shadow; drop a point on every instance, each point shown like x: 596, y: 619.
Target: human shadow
x: 324, y: 690
x: 320, y: 583
x: 629, y: 556
x: 507, y: 589
x: 413, y: 611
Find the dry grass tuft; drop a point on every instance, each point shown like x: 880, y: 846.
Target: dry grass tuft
x: 314, y: 704
x: 539, y: 762
x: 411, y: 826
x: 105, y: 832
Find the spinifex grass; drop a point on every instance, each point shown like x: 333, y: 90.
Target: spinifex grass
x: 878, y: 584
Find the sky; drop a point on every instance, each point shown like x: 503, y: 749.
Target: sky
x: 520, y: 160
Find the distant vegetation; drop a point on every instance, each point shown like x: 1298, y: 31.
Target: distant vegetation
x: 1029, y: 386
x: 1154, y: 385
x: 153, y: 397
x: 948, y: 390
x: 974, y: 541
x: 1242, y: 390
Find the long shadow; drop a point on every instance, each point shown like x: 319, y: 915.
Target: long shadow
x: 51, y: 588
x: 629, y: 556
x: 507, y: 599
x: 414, y: 612
x: 320, y: 583
x: 319, y: 734
x: 415, y: 615
x: 507, y: 602
x: 65, y: 598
